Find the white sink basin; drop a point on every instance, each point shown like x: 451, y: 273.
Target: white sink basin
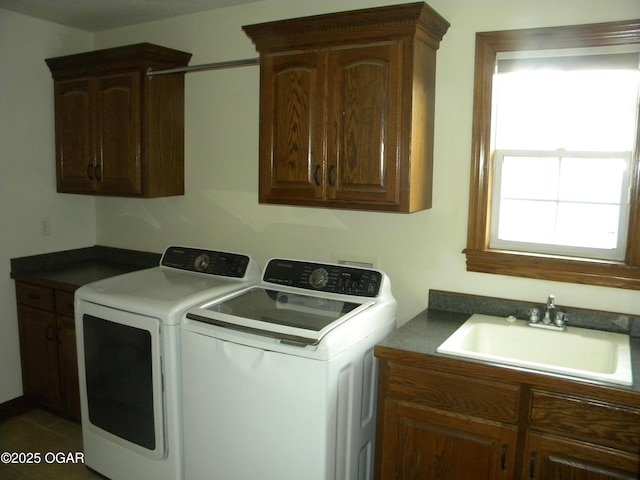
x: 579, y: 352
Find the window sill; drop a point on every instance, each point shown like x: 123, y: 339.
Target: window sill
x: 561, y: 269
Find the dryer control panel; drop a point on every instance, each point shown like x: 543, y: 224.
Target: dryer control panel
x: 324, y: 277
x: 210, y: 262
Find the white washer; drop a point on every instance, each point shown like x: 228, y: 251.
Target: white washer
x: 128, y: 338
x: 280, y: 380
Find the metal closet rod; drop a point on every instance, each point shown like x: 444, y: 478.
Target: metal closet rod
x: 207, y: 66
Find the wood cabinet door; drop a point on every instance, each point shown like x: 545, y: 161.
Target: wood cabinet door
x: 364, y: 101
x: 118, y: 162
x: 74, y: 136
x: 68, y: 357
x: 425, y: 444
x: 292, y: 128
x: 552, y: 458
x: 39, y: 355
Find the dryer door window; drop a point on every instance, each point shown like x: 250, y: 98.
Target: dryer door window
x: 123, y: 380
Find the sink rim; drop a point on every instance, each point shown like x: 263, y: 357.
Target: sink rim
x: 623, y: 374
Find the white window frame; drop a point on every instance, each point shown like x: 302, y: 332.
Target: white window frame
x: 616, y: 254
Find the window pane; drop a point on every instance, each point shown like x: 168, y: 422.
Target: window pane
x: 527, y: 221
x: 556, y: 204
x: 588, y: 225
x: 530, y: 177
x: 591, y: 179
x: 566, y: 224
x: 575, y: 110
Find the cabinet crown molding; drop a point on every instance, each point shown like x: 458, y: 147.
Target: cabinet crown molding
x: 139, y: 56
x: 358, y: 25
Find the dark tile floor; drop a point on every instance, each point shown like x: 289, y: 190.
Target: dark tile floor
x: 38, y: 431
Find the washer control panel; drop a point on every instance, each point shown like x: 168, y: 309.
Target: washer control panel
x: 324, y: 277
x: 210, y: 262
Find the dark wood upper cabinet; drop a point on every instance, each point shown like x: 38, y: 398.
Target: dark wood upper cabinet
x: 118, y: 131
x: 347, y: 106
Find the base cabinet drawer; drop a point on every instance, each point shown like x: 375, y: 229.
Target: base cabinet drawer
x: 64, y: 303
x: 455, y: 393
x: 35, y: 296
x: 613, y: 425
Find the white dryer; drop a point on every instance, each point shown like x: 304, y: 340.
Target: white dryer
x: 280, y: 380
x: 128, y: 338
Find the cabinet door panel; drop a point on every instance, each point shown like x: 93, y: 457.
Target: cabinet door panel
x: 419, y: 443
x: 119, y: 112
x: 365, y: 117
x: 74, y: 132
x: 291, y: 158
x: 39, y: 355
x: 67, y: 352
x: 553, y: 458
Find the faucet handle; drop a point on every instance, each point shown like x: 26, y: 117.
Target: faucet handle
x: 561, y: 319
x: 534, y: 315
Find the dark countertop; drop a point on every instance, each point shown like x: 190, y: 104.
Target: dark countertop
x: 425, y: 332
x: 71, y: 269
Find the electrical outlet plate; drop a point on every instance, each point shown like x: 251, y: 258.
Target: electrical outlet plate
x: 45, y: 226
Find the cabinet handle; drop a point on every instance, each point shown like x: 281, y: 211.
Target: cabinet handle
x: 49, y: 333
x: 532, y: 466
x: 316, y: 175
x: 90, y: 169
x: 98, y: 173
x: 503, y: 459
x: 332, y: 175
x: 59, y: 335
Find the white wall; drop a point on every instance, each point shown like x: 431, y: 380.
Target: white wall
x: 27, y: 163
x: 220, y: 210
x: 419, y: 251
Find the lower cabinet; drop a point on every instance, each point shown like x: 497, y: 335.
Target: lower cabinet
x: 48, y: 348
x: 442, y: 419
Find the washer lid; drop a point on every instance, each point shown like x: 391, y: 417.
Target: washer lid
x: 287, y: 315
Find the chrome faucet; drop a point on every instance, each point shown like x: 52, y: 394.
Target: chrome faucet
x: 552, y: 319
x: 550, y: 312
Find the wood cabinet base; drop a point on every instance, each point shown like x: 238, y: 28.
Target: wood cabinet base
x: 445, y: 419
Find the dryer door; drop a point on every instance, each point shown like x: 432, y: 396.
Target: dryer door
x: 119, y: 357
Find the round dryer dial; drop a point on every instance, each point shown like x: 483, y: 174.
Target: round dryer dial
x: 318, y: 278
x: 201, y: 262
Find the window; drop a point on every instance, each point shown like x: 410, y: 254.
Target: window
x: 555, y: 181
x: 561, y: 202
x: 546, y: 198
